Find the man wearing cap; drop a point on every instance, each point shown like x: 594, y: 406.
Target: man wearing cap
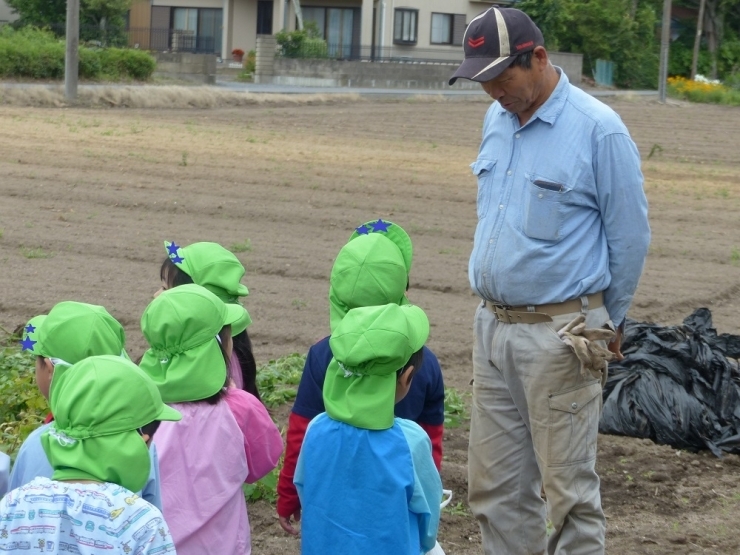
x: 366, y: 479
x: 71, y: 332
x: 562, y: 231
x: 106, y: 410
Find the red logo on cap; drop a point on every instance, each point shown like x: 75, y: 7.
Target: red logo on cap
x: 475, y: 43
x: 524, y: 45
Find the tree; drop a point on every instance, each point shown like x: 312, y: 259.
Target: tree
x: 100, y: 20
x: 621, y: 31
x: 50, y: 13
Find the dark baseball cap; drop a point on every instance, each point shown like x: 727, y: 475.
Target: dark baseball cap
x: 493, y: 40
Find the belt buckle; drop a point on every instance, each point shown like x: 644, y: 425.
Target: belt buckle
x: 502, y: 313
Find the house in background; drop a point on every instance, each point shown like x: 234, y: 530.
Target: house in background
x: 6, y: 14
x: 367, y: 29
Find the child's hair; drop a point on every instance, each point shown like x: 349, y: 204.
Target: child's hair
x: 416, y: 361
x: 223, y: 338
x: 150, y: 429
x: 173, y: 276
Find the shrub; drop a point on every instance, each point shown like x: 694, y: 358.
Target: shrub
x: 22, y: 407
x: 38, y: 54
x: 703, y: 91
x: 123, y: 63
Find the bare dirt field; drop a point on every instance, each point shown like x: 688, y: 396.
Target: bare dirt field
x: 88, y: 195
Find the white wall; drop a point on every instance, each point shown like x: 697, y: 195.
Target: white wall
x: 6, y: 14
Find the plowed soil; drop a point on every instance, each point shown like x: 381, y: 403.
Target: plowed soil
x: 87, y: 197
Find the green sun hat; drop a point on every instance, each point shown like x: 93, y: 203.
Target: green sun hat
x: 98, y: 405
x: 30, y: 342
x: 184, y: 358
x: 370, y: 345
x: 217, y: 269
x: 73, y: 331
x: 394, y: 232
x: 211, y: 266
x: 369, y: 271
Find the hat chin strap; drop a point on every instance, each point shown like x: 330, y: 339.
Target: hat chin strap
x: 58, y: 361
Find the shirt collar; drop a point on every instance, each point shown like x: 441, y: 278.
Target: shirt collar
x: 553, y: 106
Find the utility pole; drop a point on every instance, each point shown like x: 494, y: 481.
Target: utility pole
x: 697, y: 38
x: 72, y: 54
x: 665, y: 40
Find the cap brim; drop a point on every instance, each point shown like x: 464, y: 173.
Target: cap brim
x: 243, y: 323
x: 236, y: 316
x: 418, y: 324
x: 481, y: 69
x: 168, y: 413
x: 35, y: 348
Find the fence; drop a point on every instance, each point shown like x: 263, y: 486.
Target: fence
x: 320, y: 49
x: 161, y: 40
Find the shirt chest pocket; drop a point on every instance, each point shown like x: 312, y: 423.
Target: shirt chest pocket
x: 545, y: 202
x: 484, y: 170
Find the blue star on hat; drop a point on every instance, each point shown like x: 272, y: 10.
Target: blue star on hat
x: 172, y: 249
x: 27, y: 344
x: 380, y: 225
x: 177, y: 259
x: 30, y: 329
x: 362, y: 230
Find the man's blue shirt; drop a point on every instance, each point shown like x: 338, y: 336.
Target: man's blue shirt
x: 561, y: 208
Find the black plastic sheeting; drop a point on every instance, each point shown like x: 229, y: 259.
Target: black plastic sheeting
x: 678, y: 385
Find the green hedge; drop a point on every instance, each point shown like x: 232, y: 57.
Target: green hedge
x: 38, y: 54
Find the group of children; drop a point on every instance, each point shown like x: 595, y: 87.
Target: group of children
x: 185, y: 428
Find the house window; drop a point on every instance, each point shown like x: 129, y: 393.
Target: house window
x: 196, y: 30
x: 405, y: 26
x: 337, y: 26
x: 448, y: 28
x: 441, y: 28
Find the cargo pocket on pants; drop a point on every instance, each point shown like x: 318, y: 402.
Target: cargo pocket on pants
x: 574, y: 424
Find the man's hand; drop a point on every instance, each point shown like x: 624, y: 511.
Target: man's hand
x: 286, y: 524
x: 616, y: 344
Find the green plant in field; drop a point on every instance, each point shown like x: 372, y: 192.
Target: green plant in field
x: 245, y: 246
x: 37, y: 252
x: 22, y: 407
x: 455, y: 408
x: 278, y: 380
x: 299, y: 304
x: 458, y: 509
x: 184, y: 161
x: 265, y: 488
x: 735, y: 256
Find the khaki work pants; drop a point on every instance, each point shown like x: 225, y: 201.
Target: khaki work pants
x: 534, y: 422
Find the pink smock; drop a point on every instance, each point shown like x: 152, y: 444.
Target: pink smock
x: 203, y: 463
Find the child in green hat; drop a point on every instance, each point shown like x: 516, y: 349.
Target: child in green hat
x: 106, y: 410
x: 367, y: 480
x: 217, y: 269
x: 372, y: 269
x: 226, y: 436
x: 71, y: 332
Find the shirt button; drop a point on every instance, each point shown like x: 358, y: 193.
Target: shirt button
x: 540, y: 195
x: 485, y: 275
x: 490, y: 241
x: 517, y: 135
x: 508, y: 172
x: 500, y: 206
x: 574, y: 406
